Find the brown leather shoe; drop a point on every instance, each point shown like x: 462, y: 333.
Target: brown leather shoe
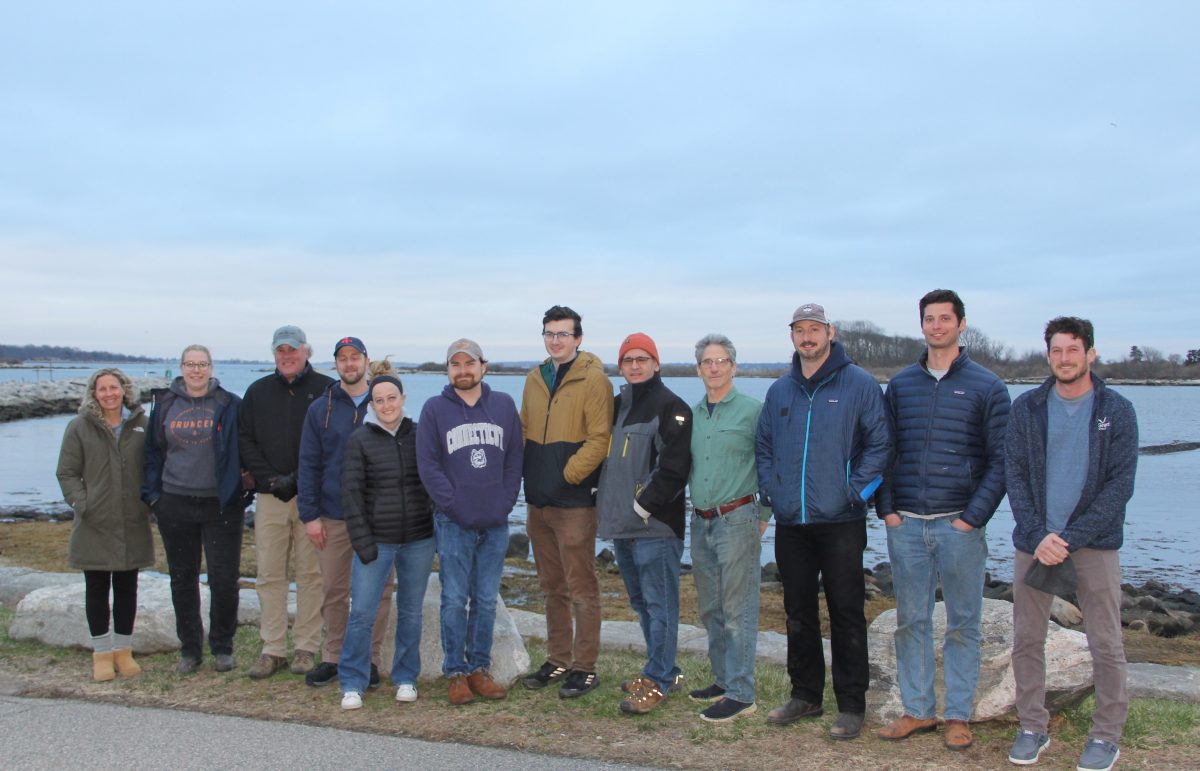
x: 266, y: 666
x: 303, y: 662
x: 906, y: 726
x: 460, y: 690
x: 482, y: 684
x: 958, y: 735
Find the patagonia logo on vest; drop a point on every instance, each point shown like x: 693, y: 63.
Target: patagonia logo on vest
x: 473, y: 434
x: 1103, y: 424
x: 833, y: 401
x: 959, y: 393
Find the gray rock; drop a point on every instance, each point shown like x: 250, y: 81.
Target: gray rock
x: 1156, y: 681
x: 1068, y: 665
x: 54, y: 615
x: 518, y: 546
x: 509, y: 657
x: 16, y: 582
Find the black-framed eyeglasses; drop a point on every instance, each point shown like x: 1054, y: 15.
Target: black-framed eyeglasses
x: 643, y: 360
x: 557, y: 335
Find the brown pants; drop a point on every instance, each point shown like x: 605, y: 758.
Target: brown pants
x: 278, y: 534
x: 1099, y: 592
x: 336, y: 560
x: 564, y: 548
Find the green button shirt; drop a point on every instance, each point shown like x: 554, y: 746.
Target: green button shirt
x: 723, y: 467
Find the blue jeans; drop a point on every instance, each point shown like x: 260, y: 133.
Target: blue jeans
x: 650, y: 569
x: 470, y: 563
x: 921, y: 551
x: 725, y: 553
x: 413, y: 562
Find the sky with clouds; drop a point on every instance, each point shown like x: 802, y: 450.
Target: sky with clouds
x: 413, y: 173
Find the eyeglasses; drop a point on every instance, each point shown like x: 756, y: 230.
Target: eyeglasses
x: 557, y: 335
x: 196, y: 365
x: 636, y: 360
x: 721, y: 362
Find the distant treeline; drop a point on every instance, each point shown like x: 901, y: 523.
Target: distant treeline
x: 19, y: 353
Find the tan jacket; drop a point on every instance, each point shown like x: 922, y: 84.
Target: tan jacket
x: 566, y: 436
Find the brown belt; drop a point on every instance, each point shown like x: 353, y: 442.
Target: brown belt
x: 724, y: 509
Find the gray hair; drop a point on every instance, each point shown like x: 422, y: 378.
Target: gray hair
x: 715, y: 338
x: 195, y: 347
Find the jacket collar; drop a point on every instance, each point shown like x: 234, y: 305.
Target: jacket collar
x: 836, y: 360
x: 959, y: 362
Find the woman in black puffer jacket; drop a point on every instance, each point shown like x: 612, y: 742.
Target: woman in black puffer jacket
x: 390, y: 522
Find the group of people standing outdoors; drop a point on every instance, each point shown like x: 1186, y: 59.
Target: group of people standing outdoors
x: 360, y: 498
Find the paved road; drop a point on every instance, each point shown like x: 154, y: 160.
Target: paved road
x: 60, y: 734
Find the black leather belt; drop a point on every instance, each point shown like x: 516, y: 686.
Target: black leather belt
x: 724, y: 509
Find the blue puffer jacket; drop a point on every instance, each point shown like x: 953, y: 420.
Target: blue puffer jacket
x: 1098, y: 521
x: 949, y: 436
x: 330, y: 420
x: 822, y: 443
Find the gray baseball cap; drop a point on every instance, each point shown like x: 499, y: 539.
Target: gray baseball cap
x: 289, y: 335
x: 463, y: 345
x: 810, y: 312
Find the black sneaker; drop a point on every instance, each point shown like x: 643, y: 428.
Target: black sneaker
x: 577, y: 684
x: 322, y: 674
x: 713, y: 692
x: 548, y: 673
x: 727, y: 709
x: 373, y: 682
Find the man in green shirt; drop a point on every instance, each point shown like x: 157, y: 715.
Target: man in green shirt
x: 726, y: 530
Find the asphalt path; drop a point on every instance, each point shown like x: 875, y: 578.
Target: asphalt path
x: 61, y: 734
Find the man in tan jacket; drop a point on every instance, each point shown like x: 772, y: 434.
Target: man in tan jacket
x: 566, y: 417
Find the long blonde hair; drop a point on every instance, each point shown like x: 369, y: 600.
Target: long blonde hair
x: 90, y: 406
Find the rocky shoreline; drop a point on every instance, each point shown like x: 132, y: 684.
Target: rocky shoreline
x: 21, y: 399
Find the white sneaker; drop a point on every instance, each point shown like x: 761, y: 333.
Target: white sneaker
x: 351, y: 700
x: 406, y: 692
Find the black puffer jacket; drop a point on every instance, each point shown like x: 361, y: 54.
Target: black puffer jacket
x: 382, y: 496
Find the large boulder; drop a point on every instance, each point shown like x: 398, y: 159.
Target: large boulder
x: 510, y: 660
x: 1068, y: 665
x: 16, y: 582
x: 54, y: 615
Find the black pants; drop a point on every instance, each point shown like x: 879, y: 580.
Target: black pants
x: 189, y: 524
x: 806, y: 554
x: 124, y: 585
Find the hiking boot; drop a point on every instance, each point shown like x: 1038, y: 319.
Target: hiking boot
x: 351, y: 700
x: 727, y: 709
x: 322, y: 674
x: 793, y: 710
x: 1098, y: 755
x: 577, y: 684
x: 224, y: 662
x: 373, y: 681
x: 713, y: 692
x: 482, y: 684
x: 266, y: 666
x: 187, y: 665
x: 905, y: 726
x: 642, y: 701
x: 548, y: 673
x: 636, y: 684
x: 460, y: 690
x: 1027, y: 748
x: 302, y: 662
x: 847, y: 726
x: 958, y: 735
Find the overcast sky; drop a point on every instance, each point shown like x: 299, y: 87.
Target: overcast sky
x: 412, y: 173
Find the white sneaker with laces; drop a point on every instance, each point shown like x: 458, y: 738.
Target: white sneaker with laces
x: 406, y: 692
x: 351, y: 700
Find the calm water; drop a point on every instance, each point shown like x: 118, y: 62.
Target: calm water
x: 1159, y: 537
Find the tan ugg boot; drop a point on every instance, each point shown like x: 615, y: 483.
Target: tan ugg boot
x: 126, y: 666
x: 102, y: 666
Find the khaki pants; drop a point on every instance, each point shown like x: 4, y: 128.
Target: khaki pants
x: 278, y: 533
x: 564, y: 548
x: 336, y: 559
x: 1099, y: 592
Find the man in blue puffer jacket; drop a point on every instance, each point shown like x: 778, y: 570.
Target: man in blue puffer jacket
x: 330, y: 420
x: 948, y: 416
x: 821, y: 449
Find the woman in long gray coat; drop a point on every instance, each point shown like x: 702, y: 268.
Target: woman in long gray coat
x: 100, y: 473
